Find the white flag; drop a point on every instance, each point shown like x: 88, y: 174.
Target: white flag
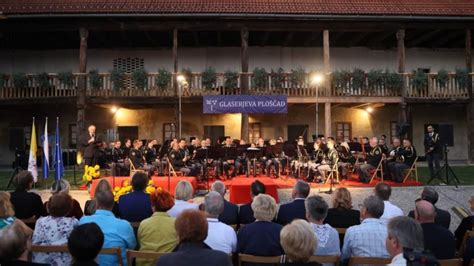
x: 32, y: 167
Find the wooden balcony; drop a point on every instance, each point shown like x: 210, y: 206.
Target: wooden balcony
x: 298, y: 92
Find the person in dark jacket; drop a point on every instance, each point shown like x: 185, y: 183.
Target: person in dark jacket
x: 230, y: 215
x: 85, y: 243
x: 466, y: 225
x: 295, y: 209
x: 90, y: 143
x: 26, y: 204
x: 342, y: 215
x: 443, y: 217
x: 191, y: 228
x: 63, y: 186
x: 245, y: 211
x: 136, y: 206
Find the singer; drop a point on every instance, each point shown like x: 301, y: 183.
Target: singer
x: 90, y: 144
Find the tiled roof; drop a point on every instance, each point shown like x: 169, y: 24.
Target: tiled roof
x: 292, y: 7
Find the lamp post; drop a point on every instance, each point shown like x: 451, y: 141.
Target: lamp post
x: 181, y: 82
x: 316, y: 80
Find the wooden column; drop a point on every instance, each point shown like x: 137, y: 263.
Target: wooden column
x: 175, y: 60
x: 402, y: 114
x: 326, y: 57
x: 470, y: 105
x: 82, y: 82
x: 244, y: 79
x: 327, y: 120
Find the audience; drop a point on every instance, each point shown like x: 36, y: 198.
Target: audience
x: 466, y: 224
x: 85, y: 243
x: 368, y: 238
x: 26, y: 204
x: 245, y: 211
x: 468, y: 252
x: 191, y: 227
x: 295, y: 209
x: 117, y: 232
x: 15, y: 244
x: 384, y: 191
x: 55, y: 229
x: 402, y: 233
x: 7, y: 214
x: 342, y: 215
x: 219, y: 235
x: 91, y: 205
x: 439, y: 240
x: 63, y: 186
x: 328, y: 237
x: 183, y: 193
x: 230, y: 215
x: 136, y: 206
x: 443, y: 217
x: 298, y: 242
x: 262, y: 237
x: 157, y: 233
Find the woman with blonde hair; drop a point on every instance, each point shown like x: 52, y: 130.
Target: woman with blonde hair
x: 7, y: 214
x: 298, y: 242
x: 91, y: 205
x: 183, y: 193
x: 341, y: 215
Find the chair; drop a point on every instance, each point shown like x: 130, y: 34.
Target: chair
x: 451, y: 262
x: 367, y: 260
x: 325, y: 259
x: 113, y: 251
x: 133, y: 254
x: 412, y: 170
x: 334, y: 169
x: 259, y: 259
x: 379, y: 169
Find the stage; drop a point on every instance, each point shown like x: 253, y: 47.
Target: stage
x: 239, y: 187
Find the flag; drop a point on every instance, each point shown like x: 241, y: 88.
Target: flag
x: 45, y: 151
x: 58, y: 156
x: 33, y: 149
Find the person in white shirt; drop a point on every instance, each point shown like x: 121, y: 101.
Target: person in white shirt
x: 402, y: 232
x: 384, y: 191
x: 219, y: 235
x: 183, y: 193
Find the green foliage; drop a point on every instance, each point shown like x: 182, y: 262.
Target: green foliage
x: 42, y: 80
x: 95, y: 80
x: 278, y: 78
x: 140, y: 78
x: 358, y: 79
x: 3, y: 79
x: 297, y: 77
x: 20, y: 80
x: 209, y: 78
x: 419, y: 80
x: 231, y: 79
x: 442, y: 78
x: 462, y: 78
x: 260, y: 78
x: 66, y: 78
x: 375, y: 78
x: 341, y: 78
x: 393, y: 80
x: 117, y: 77
x: 163, y: 79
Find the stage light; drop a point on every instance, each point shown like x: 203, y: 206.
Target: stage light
x: 316, y: 79
x: 180, y: 78
x: 114, y: 109
x: 369, y: 109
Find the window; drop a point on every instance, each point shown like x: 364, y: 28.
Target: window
x: 72, y: 135
x: 343, y: 131
x: 255, y: 131
x: 393, y: 131
x: 169, y: 131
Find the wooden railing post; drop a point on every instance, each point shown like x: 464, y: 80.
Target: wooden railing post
x: 244, y: 79
x: 81, y: 86
x: 401, y: 69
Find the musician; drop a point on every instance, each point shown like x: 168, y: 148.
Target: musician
x: 365, y: 144
x: 242, y: 157
x: 330, y: 159
x: 272, y: 158
x: 383, y: 145
x: 262, y: 160
x: 301, y: 162
x: 405, y: 158
x: 393, y: 154
x: 122, y: 167
x: 317, y: 156
x: 151, y: 156
x: 372, y: 160
x: 126, y: 149
x: 229, y: 159
x: 345, y: 158
x: 136, y: 155
x: 432, y: 150
x: 90, y: 143
x: 179, y: 158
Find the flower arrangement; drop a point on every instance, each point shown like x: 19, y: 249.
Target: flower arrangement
x: 127, y: 188
x: 91, y: 172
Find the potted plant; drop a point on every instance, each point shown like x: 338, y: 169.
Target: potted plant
x: 66, y: 78
x: 358, y: 79
x: 117, y: 77
x: 3, y: 79
x: 140, y: 79
x: 341, y: 79
x: 393, y: 81
x: 260, y: 78
x: 42, y: 80
x: 419, y: 80
x: 95, y: 80
x: 163, y: 79
x: 209, y: 78
x: 462, y: 78
x: 375, y: 78
x: 278, y: 78
x: 20, y: 80
x: 297, y: 77
x: 231, y: 79
x: 442, y: 78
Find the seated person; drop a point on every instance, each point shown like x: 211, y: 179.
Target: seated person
x: 26, y: 204
x: 330, y: 159
x: 295, y: 209
x: 245, y: 211
x: 136, y: 206
x: 63, y: 186
x: 183, y: 193
x: 466, y: 223
x: 7, y: 214
x: 230, y: 215
x: 372, y: 160
x: 384, y: 191
x: 342, y: 215
x: 299, y: 243
x: 443, y: 217
x: 91, y: 205
x: 179, y: 157
x: 85, y: 243
x: 406, y: 156
x: 403, y: 233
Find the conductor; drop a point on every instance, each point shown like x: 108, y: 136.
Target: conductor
x: 90, y: 146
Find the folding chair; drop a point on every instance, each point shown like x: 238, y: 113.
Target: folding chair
x: 412, y: 170
x: 451, y: 262
x: 367, y: 260
x: 334, y: 170
x: 171, y: 169
x: 259, y: 259
x: 146, y: 255
x: 113, y: 251
x: 379, y: 169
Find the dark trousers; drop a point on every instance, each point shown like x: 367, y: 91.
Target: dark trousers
x: 433, y: 158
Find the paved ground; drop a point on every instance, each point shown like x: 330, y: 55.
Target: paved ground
x: 404, y: 197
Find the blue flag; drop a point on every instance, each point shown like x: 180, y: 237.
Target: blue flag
x: 58, y: 155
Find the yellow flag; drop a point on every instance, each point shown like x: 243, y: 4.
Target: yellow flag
x: 33, y: 149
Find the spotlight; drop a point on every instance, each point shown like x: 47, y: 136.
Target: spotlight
x: 369, y: 109
x: 180, y: 78
x: 316, y: 79
x: 114, y: 109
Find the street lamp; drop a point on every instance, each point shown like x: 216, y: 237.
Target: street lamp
x: 181, y: 82
x: 316, y: 80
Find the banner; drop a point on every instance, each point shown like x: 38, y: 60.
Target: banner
x: 245, y: 104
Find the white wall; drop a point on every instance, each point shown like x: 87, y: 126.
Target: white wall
x: 228, y: 58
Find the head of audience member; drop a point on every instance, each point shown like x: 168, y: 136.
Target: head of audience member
x: 403, y: 232
x: 257, y: 188
x: 161, y: 200
x: 85, y: 242
x: 23, y: 181
x: 396, y: 142
x: 298, y: 241
x: 300, y: 190
x: 280, y: 140
x: 429, y: 194
x: 471, y: 203
x: 183, y: 191
x: 383, y: 191
x: 430, y: 129
x: 182, y: 143
x: 317, y: 144
x: 197, y: 142
x: 383, y: 136
x: 372, y: 207
x: 91, y: 129
x: 139, y: 181
x: 191, y: 226
x: 111, y: 144
x: 213, y: 204
x: 264, y: 207
x: 219, y: 187
x: 316, y: 209
x: 373, y: 142
x: 103, y: 185
x: 105, y: 200
x: 60, y: 186
x: 128, y: 143
x: 117, y: 144
x: 193, y: 142
x: 406, y: 143
x: 6, y: 207
x: 342, y: 198
x: 14, y: 242
x: 424, y: 212
x: 60, y: 204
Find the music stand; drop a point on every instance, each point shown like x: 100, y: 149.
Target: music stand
x: 253, y: 154
x: 202, y: 154
x: 448, y: 170
x: 17, y: 169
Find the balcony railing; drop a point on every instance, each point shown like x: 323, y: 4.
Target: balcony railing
x: 329, y: 88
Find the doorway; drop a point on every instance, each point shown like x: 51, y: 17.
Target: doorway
x: 214, y: 133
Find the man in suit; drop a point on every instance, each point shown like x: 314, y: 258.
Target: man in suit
x: 466, y: 224
x: 439, y: 240
x: 295, y: 209
x: 443, y: 217
x: 230, y: 215
x: 432, y: 150
x: 90, y: 146
x: 245, y: 211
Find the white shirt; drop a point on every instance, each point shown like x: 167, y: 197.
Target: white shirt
x: 221, y: 236
x: 390, y: 211
x: 398, y: 260
x: 180, y: 206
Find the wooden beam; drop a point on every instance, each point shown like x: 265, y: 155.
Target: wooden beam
x: 82, y: 83
x: 401, y: 50
x: 244, y: 84
x: 446, y: 38
x: 347, y: 99
x: 422, y: 38
x: 196, y: 38
x: 380, y: 38
x: 326, y: 57
x: 289, y: 37
x: 354, y: 41
x: 468, y: 49
x: 264, y: 39
x: 327, y: 120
